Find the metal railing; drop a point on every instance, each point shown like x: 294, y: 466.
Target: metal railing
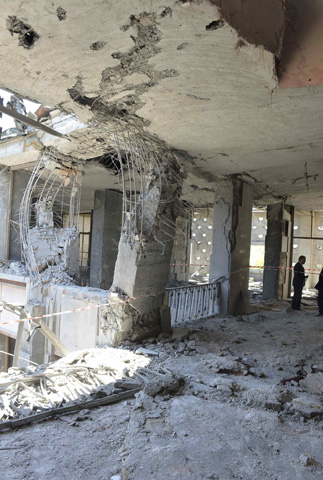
x: 193, y: 302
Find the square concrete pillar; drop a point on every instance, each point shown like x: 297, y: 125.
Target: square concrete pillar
x: 231, y: 244
x: 142, y: 266
x: 5, y: 211
x: 278, y: 251
x: 179, y: 272
x: 106, y: 230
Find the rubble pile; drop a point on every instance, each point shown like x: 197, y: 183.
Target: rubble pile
x: 78, y: 377
x: 12, y: 267
x: 223, y: 398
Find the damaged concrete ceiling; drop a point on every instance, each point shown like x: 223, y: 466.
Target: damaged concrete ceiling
x: 196, y: 76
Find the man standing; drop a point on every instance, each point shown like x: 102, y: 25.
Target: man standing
x: 298, y: 282
x: 319, y: 287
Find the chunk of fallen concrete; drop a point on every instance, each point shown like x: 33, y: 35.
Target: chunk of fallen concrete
x: 163, y: 384
x: 307, y: 406
x: 154, y: 424
x: 180, y: 334
x: 313, y: 383
x: 143, y: 401
x: 308, y: 461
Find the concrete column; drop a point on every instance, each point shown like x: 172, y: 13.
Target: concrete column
x: 231, y: 244
x: 35, y: 348
x: 106, y: 230
x: 278, y: 250
x: 5, y: 209
x: 180, y: 272
x: 142, y: 266
x: 20, y: 181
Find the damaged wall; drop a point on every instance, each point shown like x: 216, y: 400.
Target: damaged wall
x: 56, y: 246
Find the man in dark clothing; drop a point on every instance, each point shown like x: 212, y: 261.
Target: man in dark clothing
x: 298, y: 282
x: 319, y: 287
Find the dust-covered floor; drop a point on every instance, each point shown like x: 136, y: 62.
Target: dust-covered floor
x: 246, y: 403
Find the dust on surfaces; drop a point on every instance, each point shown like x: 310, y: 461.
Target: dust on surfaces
x: 202, y: 393
x: 26, y: 34
x: 61, y: 13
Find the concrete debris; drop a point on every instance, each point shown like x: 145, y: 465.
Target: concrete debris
x: 145, y: 351
x: 78, y: 377
x: 14, y: 268
x: 313, y: 382
x: 204, y: 397
x: 163, y: 385
x: 307, y: 406
x: 308, y: 461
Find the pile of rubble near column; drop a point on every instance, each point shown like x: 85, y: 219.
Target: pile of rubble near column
x: 82, y: 379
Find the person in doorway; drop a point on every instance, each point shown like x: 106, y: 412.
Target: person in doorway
x: 319, y: 287
x: 298, y: 282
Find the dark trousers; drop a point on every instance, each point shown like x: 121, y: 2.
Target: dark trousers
x: 296, y: 300
x: 320, y: 301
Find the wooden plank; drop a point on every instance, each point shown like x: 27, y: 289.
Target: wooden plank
x: 52, y: 337
x: 6, y: 349
x: 100, y: 402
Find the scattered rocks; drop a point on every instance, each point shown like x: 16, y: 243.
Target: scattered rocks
x: 308, y: 461
x: 307, y: 406
x: 313, y: 383
x: 180, y: 334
